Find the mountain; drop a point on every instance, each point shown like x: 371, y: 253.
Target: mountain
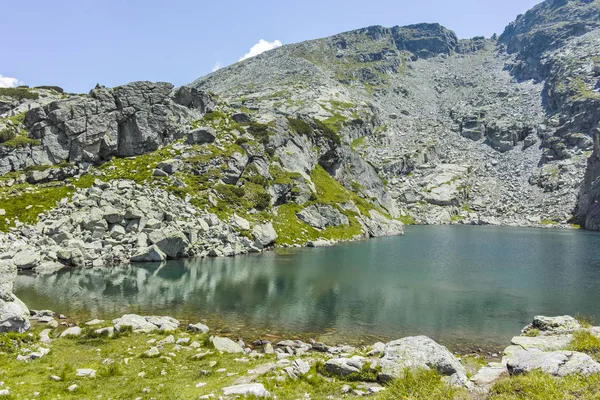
x: 332, y: 139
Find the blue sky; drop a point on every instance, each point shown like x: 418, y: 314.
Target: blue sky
x: 78, y: 43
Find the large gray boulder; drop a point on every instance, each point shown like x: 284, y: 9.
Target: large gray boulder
x: 14, y: 315
x: 553, y: 325
x: 170, y: 241
x: 26, y: 259
x: 201, y: 136
x: 378, y: 225
x: 149, y: 254
x: 557, y: 363
x: 322, y: 215
x: 137, y: 323
x: 226, y: 345
x: 420, y: 352
x: 264, y: 234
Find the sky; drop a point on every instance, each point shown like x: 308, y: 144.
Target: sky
x: 76, y: 44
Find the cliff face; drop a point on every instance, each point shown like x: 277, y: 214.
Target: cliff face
x: 410, y: 120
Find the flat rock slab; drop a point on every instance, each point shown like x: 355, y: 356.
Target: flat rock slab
x: 544, y: 343
x: 486, y: 376
x: 250, y: 389
x: 557, y: 363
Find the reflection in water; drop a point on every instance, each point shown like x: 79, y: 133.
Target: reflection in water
x: 457, y: 284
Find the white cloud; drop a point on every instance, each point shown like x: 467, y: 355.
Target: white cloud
x: 261, y: 47
x: 217, y: 66
x: 6, y: 81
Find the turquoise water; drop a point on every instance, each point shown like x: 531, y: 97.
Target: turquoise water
x: 462, y: 285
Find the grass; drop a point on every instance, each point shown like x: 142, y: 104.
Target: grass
x: 539, y: 386
x: 19, y: 93
x: 26, y: 205
x: 407, y: 220
x: 548, y: 222
x: 532, y: 333
x: 358, y: 142
x: 421, y: 385
x: 585, y: 342
x: 586, y: 321
x: 300, y: 127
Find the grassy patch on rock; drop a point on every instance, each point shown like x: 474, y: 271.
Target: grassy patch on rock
x: 585, y: 342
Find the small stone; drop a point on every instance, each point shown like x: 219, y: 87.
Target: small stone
x: 72, y: 388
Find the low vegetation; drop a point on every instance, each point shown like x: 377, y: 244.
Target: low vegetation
x: 539, y: 386
x: 19, y: 93
x: 585, y: 342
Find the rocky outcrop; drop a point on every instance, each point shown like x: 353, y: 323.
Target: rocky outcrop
x: 128, y: 120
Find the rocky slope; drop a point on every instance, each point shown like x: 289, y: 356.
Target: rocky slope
x: 472, y: 131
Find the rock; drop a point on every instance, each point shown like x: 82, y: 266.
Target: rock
x: 487, y: 376
x: 377, y: 350
x: 14, y: 315
x: 72, y: 331
x: 226, y: 345
x: 138, y: 323
x: 166, y: 324
x: 86, y: 372
x: 168, y: 340
x: 26, y: 259
x: 8, y: 273
x: 48, y: 268
x: 264, y: 235
x: 169, y: 241
x: 250, y: 389
x: 553, y: 325
x: 421, y: 352
x: 557, y: 363
x: 152, y: 352
x: 345, y: 366
x: 149, y: 254
x: 322, y: 215
x: 170, y: 166
x: 113, y: 215
x: 239, y: 223
x: 198, y: 328
x: 201, y: 136
x: 72, y: 388
x: 544, y: 343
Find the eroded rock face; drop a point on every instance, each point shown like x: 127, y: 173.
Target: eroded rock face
x: 128, y: 120
x: 421, y: 352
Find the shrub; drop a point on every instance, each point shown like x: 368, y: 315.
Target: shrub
x: 300, y: 127
x: 259, y: 131
x: 586, y: 321
x: 585, y: 342
x: 263, y: 201
x: 55, y: 88
x: 21, y: 141
x: 7, y: 134
x: 328, y: 132
x: 19, y: 93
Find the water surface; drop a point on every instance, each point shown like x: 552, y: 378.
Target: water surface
x: 461, y: 285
